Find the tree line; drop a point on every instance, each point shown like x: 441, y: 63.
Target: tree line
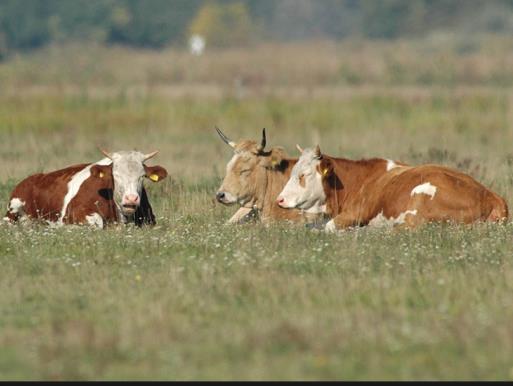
x: 28, y: 24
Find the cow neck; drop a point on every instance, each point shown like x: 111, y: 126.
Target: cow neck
x: 114, y: 208
x: 261, y: 191
x: 347, y: 180
x: 276, y: 178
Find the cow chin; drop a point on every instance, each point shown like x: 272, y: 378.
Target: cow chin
x: 128, y: 210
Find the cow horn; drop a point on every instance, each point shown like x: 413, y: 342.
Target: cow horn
x: 264, y: 141
x: 318, y: 153
x: 225, y: 138
x: 299, y: 148
x: 105, y: 153
x: 150, y: 155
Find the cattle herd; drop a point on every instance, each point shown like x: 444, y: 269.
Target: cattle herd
x: 319, y: 190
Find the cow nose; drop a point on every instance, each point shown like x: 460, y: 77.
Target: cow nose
x: 280, y: 201
x: 131, y: 199
x: 220, y: 196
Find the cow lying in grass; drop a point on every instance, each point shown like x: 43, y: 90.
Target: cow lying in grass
x: 378, y: 191
x: 254, y: 177
x: 110, y: 190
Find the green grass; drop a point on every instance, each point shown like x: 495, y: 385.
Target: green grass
x: 194, y: 298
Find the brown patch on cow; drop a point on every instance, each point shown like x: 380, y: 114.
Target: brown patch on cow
x: 155, y: 173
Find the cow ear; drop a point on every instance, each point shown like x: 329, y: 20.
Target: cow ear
x: 325, y: 167
x: 155, y: 173
x: 275, y: 159
x: 101, y: 171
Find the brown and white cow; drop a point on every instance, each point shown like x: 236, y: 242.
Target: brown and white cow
x: 383, y: 192
x: 110, y: 190
x: 254, y: 177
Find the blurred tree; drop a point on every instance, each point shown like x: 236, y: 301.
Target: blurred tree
x: 152, y: 23
x: 28, y: 24
x: 223, y: 25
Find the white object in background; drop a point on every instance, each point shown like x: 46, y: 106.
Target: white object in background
x: 197, y: 44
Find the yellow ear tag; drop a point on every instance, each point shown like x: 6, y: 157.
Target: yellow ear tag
x: 324, y: 172
x: 154, y: 177
x: 274, y: 162
x: 101, y: 174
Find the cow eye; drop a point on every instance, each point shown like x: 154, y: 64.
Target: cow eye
x: 245, y: 171
x: 302, y: 180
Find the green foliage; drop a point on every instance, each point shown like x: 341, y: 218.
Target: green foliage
x: 28, y: 24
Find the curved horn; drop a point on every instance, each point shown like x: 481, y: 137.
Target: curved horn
x: 150, y: 155
x: 299, y: 148
x: 264, y: 141
x: 317, y: 151
x: 225, y: 138
x: 105, y: 152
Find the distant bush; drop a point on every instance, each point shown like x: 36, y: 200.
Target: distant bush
x: 223, y: 25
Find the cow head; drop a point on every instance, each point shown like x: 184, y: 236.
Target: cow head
x: 304, y: 190
x: 245, y: 173
x: 127, y: 171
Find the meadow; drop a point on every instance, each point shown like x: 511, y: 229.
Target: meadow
x: 195, y: 298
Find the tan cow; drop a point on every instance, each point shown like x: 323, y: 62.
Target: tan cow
x: 254, y: 177
x: 378, y: 191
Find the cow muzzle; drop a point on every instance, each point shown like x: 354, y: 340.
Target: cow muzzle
x: 130, y: 203
x: 225, y: 198
x: 283, y: 203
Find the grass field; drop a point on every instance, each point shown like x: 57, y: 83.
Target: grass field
x: 194, y: 298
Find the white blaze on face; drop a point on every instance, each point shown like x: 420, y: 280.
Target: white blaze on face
x: 426, y: 188
x: 228, y: 197
x: 304, y: 189
x: 128, y: 173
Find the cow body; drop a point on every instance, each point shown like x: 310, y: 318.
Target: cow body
x: 254, y: 178
x: 79, y: 194
x: 382, y: 192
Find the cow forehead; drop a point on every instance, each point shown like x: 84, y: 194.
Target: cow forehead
x: 128, y: 161
x: 306, y: 162
x: 135, y: 156
x: 239, y: 159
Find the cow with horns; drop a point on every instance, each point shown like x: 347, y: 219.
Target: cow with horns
x: 254, y: 177
x: 383, y: 192
x: 110, y: 190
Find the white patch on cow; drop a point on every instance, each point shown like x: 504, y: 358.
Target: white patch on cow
x: 310, y: 197
x: 426, y: 188
x: 95, y: 220
x: 16, y: 206
x: 330, y: 227
x: 391, y: 165
x: 75, y: 183
x: 381, y: 221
